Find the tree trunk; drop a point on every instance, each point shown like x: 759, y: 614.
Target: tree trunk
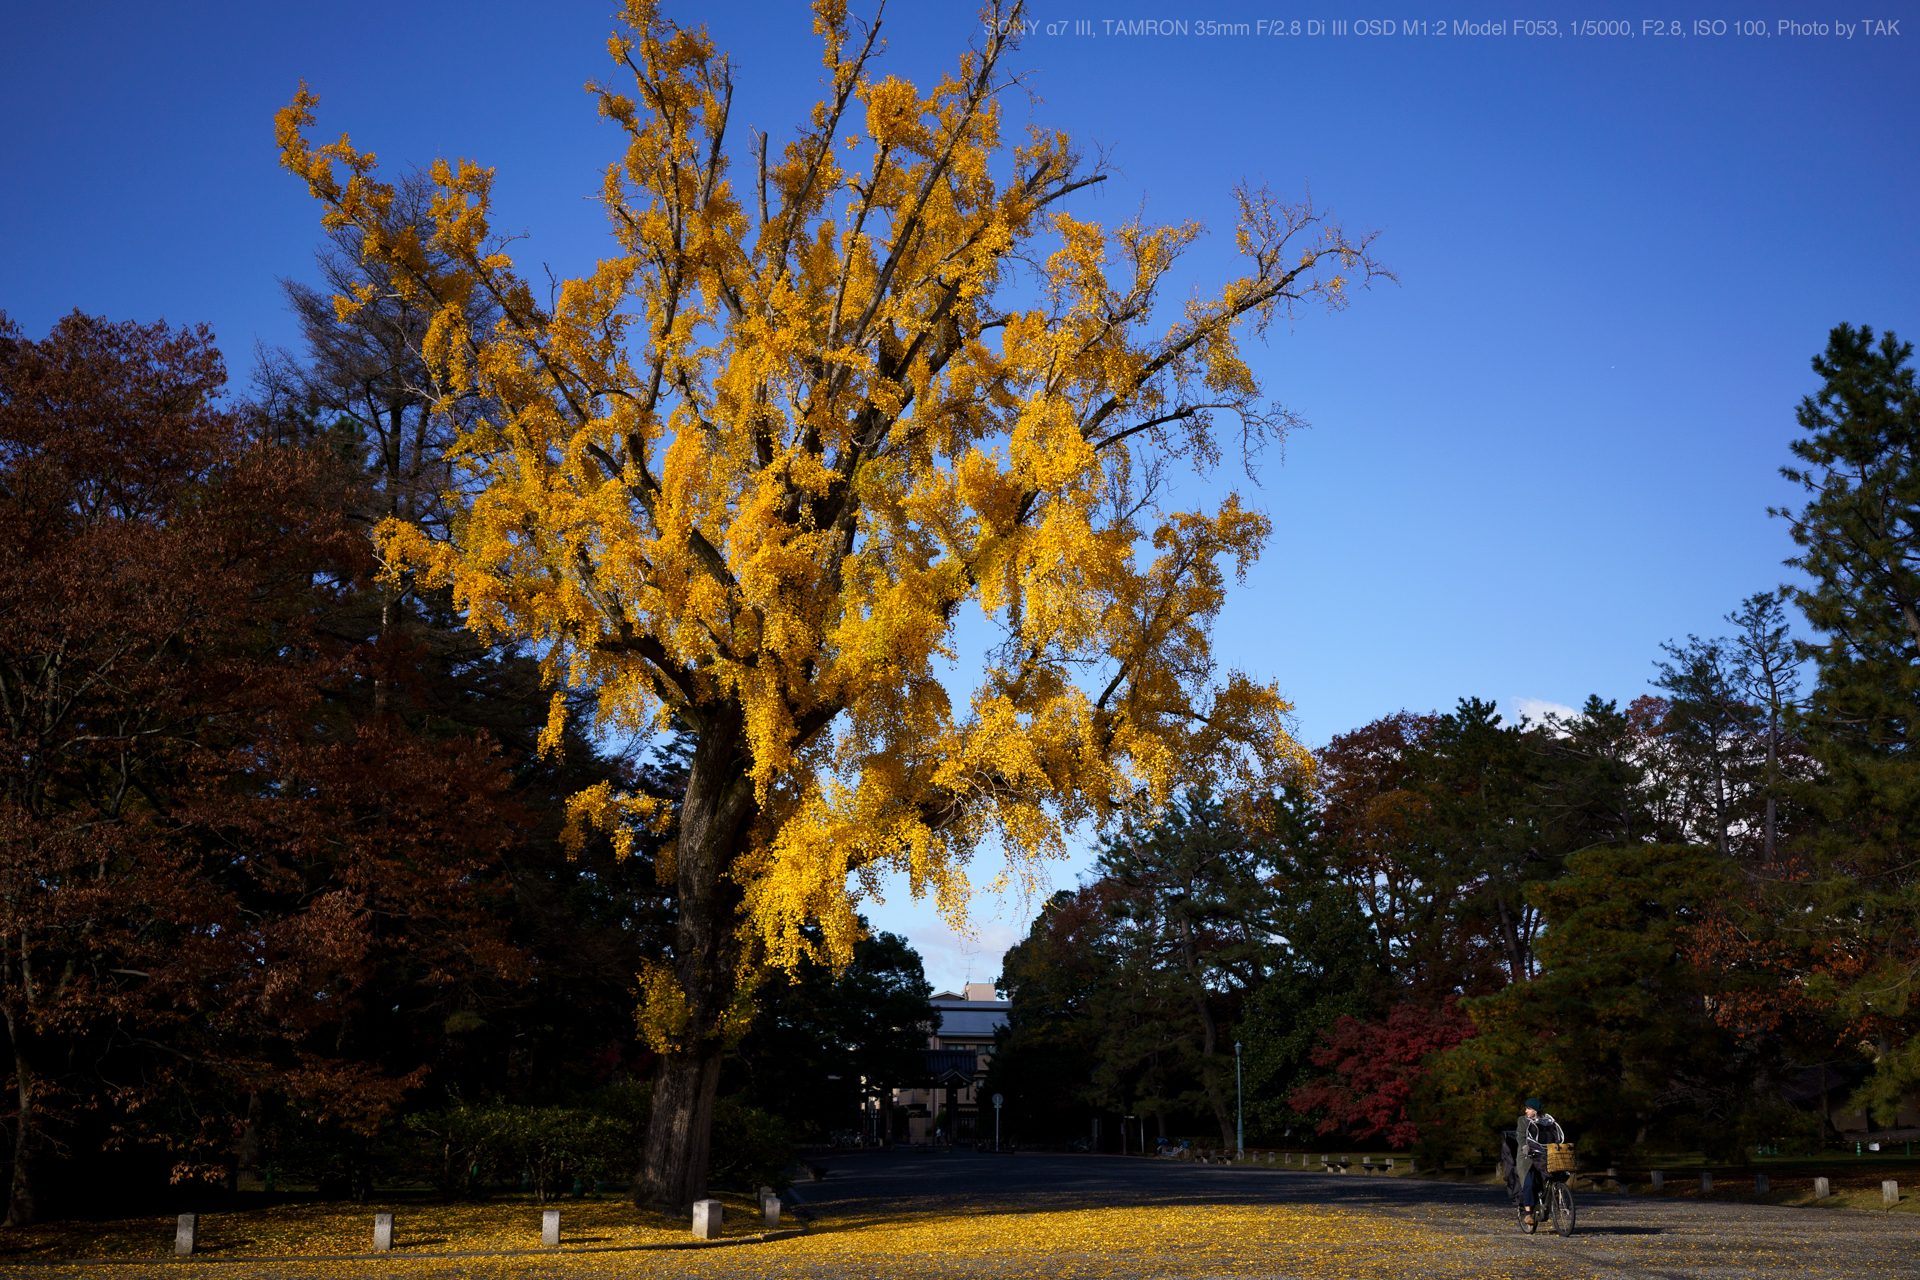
x: 1720, y: 799
x: 715, y: 818
x: 381, y: 655
x: 673, y: 1172
x: 249, y: 1152
x: 1773, y: 763
x: 23, y: 1199
x: 1209, y: 1033
x: 1517, y: 966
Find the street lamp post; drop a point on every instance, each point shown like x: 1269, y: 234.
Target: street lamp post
x: 1239, y: 1114
x: 997, y: 1100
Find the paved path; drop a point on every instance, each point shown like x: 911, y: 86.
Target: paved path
x: 1459, y: 1227
x: 970, y: 1217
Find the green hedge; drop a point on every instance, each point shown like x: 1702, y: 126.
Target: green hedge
x: 466, y: 1149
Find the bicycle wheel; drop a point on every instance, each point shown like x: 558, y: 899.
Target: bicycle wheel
x: 1562, y: 1210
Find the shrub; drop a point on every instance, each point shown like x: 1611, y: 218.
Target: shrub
x: 750, y: 1147
x: 464, y: 1149
x: 458, y: 1150
x: 554, y: 1145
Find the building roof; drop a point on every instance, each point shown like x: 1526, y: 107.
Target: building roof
x: 943, y: 1066
x: 1808, y: 1084
x: 973, y: 1019
x: 964, y: 1021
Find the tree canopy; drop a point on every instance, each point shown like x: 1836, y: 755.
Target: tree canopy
x: 746, y: 474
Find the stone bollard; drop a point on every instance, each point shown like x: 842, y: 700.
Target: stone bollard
x: 1822, y: 1188
x: 1659, y: 1180
x: 1760, y: 1184
x: 706, y: 1219
x: 186, y: 1235
x: 1889, y: 1193
x: 1706, y: 1183
x: 770, y: 1210
x: 1389, y: 1164
x: 550, y: 1228
x: 382, y: 1232
x: 1613, y: 1178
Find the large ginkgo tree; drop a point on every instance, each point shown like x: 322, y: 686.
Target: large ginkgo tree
x: 819, y: 398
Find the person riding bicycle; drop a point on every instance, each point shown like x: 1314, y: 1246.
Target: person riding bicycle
x: 1534, y: 1130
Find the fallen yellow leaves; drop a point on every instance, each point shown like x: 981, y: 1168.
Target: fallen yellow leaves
x: 1064, y: 1239
x: 1211, y: 1239
x: 336, y: 1229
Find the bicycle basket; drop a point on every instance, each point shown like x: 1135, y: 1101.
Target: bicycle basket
x: 1561, y: 1157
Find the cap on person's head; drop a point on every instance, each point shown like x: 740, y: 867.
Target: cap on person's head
x: 1534, y: 1104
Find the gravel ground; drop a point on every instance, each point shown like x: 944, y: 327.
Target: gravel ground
x: 1463, y: 1228
x: 1074, y: 1217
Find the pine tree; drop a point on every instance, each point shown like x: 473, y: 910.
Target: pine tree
x: 1859, y: 534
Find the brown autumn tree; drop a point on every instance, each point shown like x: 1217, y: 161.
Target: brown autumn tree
x: 202, y: 864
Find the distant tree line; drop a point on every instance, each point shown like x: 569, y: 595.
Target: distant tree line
x: 1660, y: 918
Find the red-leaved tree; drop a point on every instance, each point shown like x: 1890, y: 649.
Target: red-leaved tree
x: 1374, y: 1068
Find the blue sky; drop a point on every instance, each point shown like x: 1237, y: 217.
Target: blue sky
x: 1545, y: 450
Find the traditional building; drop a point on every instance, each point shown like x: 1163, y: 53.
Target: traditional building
x: 1827, y: 1088
x: 946, y: 1099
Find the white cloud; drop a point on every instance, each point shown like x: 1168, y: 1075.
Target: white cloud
x: 952, y: 961
x: 1540, y: 709
x: 999, y: 915
x: 997, y: 920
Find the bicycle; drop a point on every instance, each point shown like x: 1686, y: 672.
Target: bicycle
x: 1555, y: 1207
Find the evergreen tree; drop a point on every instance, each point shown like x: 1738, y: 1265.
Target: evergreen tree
x: 1708, y: 722
x: 1194, y: 916
x: 1044, y: 1059
x: 1615, y: 1031
x: 824, y: 1041
x: 1859, y: 535
x: 1766, y: 670
x: 1329, y: 962
x: 1477, y: 780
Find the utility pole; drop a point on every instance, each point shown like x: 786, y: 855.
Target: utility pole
x: 1239, y: 1113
